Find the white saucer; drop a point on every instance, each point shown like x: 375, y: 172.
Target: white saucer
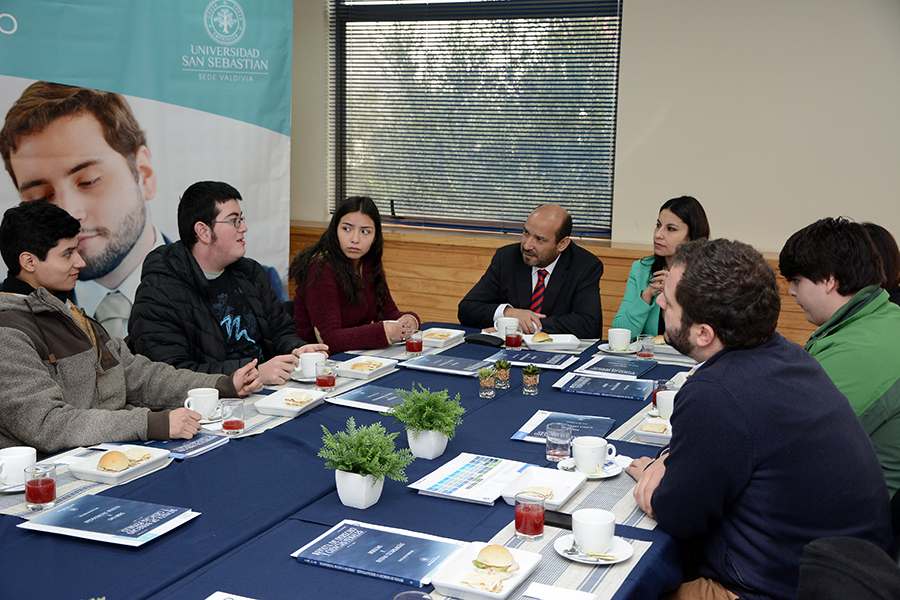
x: 298, y: 376
x: 632, y: 349
x: 653, y: 413
x: 216, y: 417
x: 619, y: 548
x: 12, y: 489
x: 610, y: 468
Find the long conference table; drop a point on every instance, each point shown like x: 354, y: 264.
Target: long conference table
x: 262, y: 497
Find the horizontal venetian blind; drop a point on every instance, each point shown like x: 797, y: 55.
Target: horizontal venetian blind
x: 470, y: 114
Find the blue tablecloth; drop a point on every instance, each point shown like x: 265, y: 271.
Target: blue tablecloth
x: 263, y: 497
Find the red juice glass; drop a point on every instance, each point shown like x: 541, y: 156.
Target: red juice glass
x: 325, y: 376
x: 40, y: 486
x: 414, y: 344
x: 233, y: 416
x: 514, y: 337
x: 660, y: 385
x: 529, y: 517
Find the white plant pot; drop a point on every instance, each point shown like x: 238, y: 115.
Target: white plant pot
x: 429, y: 444
x: 357, y: 491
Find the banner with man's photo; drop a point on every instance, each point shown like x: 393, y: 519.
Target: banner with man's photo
x: 154, y: 96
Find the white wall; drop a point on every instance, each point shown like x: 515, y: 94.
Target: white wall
x: 309, y: 95
x: 773, y: 113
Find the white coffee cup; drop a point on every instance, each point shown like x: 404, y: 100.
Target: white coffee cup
x: 503, y: 322
x: 203, y: 401
x: 594, y: 529
x: 665, y: 403
x: 619, y: 339
x: 308, y: 363
x: 13, y: 461
x: 591, y: 452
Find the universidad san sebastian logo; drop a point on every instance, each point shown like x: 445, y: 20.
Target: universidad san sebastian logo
x: 224, y: 21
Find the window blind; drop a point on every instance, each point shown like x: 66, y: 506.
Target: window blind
x: 472, y: 113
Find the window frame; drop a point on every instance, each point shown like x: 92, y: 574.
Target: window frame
x: 344, y: 12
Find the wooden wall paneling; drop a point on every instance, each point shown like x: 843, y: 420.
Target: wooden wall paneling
x: 430, y: 272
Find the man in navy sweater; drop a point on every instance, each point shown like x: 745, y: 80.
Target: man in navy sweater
x: 766, y: 454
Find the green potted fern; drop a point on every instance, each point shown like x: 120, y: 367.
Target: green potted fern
x: 430, y: 419
x: 361, y: 458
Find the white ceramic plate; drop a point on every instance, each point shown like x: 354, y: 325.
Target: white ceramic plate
x: 455, y: 334
x: 87, y: 468
x: 273, y: 404
x: 344, y: 369
x: 610, y: 469
x: 563, y: 484
x: 653, y: 438
x: 561, y: 341
x: 447, y: 579
x: 632, y: 349
x: 619, y: 548
x: 216, y: 417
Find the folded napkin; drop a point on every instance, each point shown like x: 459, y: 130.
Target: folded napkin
x: 622, y: 460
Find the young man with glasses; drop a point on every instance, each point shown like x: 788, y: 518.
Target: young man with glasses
x: 67, y: 382
x: 203, y: 305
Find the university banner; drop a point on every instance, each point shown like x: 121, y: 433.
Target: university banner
x: 208, y: 82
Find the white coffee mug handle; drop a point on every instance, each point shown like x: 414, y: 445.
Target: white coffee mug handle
x: 2, y: 468
x: 610, y: 451
x: 188, y: 404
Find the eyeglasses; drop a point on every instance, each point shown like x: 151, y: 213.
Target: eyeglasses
x: 235, y: 222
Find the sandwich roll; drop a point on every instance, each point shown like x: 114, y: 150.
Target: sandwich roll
x: 494, y: 565
x: 136, y: 456
x: 298, y: 398
x: 497, y: 558
x: 486, y: 580
x: 113, y: 462
x: 541, y: 336
x: 538, y: 491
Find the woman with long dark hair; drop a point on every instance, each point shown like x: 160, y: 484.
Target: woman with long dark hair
x: 680, y: 220
x: 342, y: 296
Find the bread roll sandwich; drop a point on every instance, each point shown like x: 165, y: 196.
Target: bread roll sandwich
x: 540, y: 337
x: 438, y: 335
x: 497, y: 558
x: 298, y: 398
x: 136, y: 456
x: 495, y: 564
x: 659, y: 340
x: 655, y: 428
x: 113, y: 462
x: 538, y: 491
x: 366, y: 366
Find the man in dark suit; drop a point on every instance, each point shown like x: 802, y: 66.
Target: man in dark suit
x: 546, y: 281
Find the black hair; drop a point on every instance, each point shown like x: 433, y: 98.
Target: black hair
x: 199, y: 204
x: 831, y: 247
x: 689, y: 210
x: 328, y: 250
x: 887, y: 249
x: 34, y: 227
x: 729, y: 286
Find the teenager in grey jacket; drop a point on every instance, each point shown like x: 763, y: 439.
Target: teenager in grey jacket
x: 66, y: 382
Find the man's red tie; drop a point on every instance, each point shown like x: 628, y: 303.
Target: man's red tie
x: 537, y: 298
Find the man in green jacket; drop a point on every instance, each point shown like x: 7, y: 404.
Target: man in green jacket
x: 835, y: 274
